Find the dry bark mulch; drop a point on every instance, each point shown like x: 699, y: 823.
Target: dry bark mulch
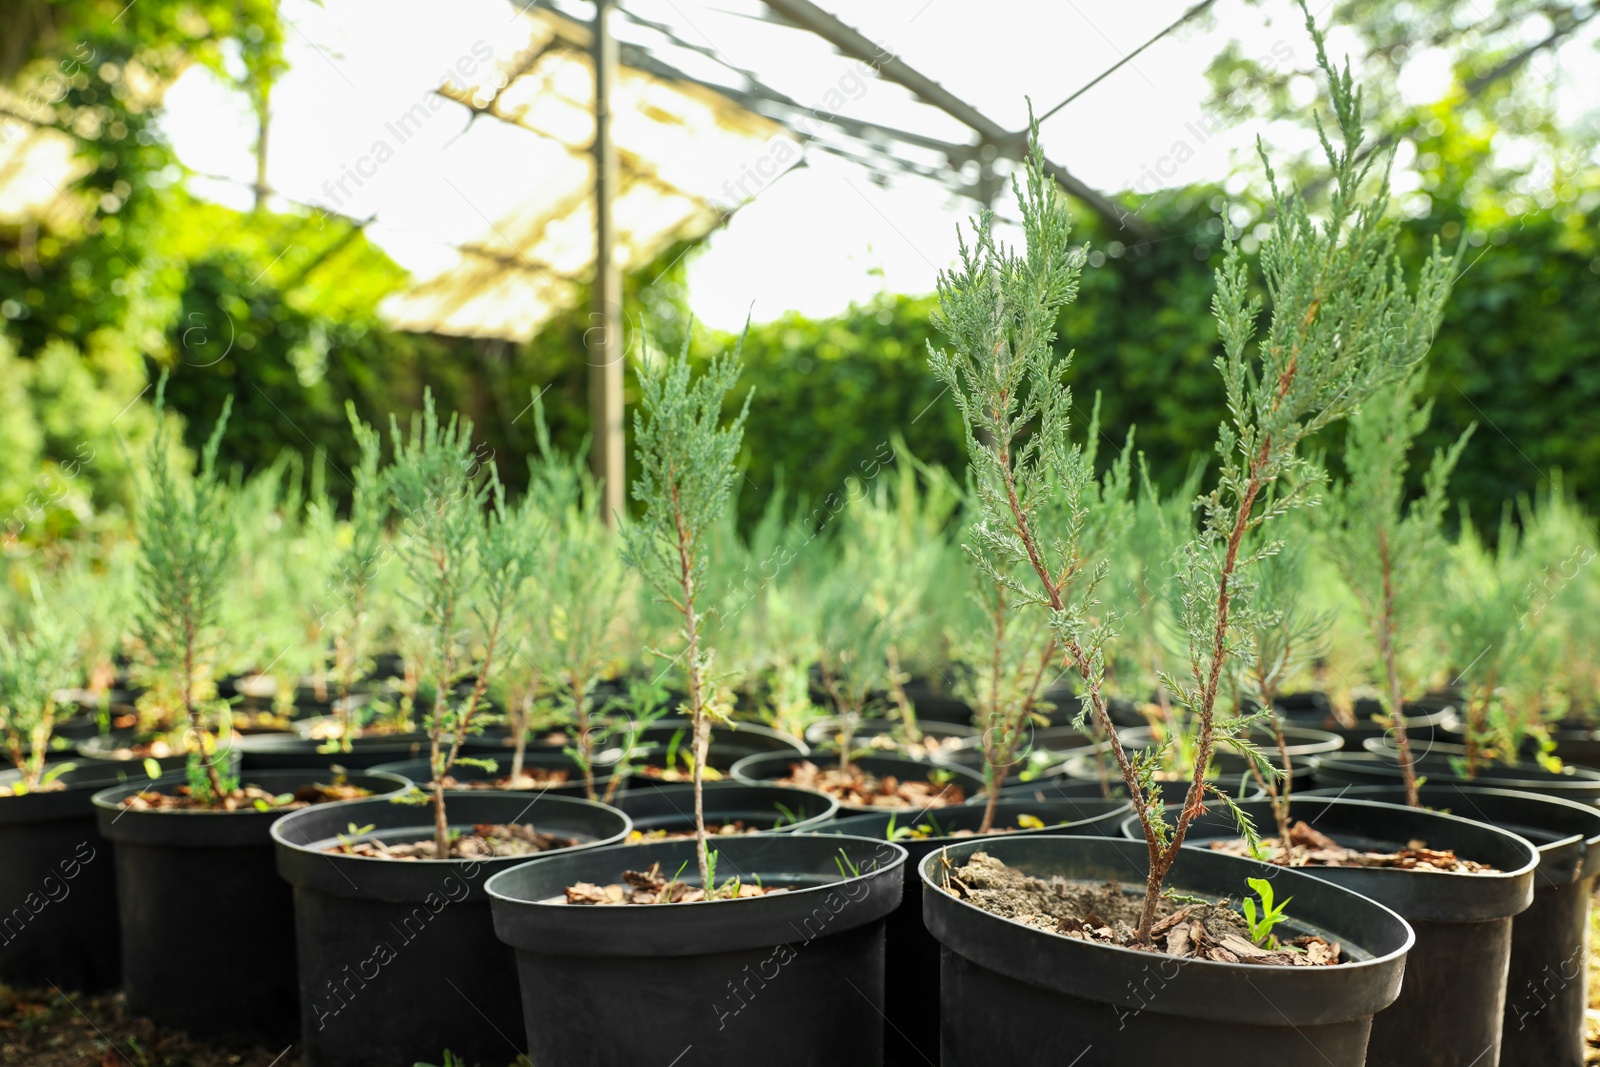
x: 1108, y: 914
x: 653, y: 887
x: 926, y: 747
x: 244, y: 798
x: 675, y: 774
x: 713, y: 829
x: 856, y: 786
x: 1310, y: 848
x: 485, y: 841
x: 54, y: 785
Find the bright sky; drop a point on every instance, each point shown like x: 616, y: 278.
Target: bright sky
x: 823, y: 235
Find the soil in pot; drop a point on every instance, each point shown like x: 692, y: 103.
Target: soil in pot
x: 1310, y: 847
x: 730, y: 808
x: 1108, y: 913
x: 169, y: 797
x: 911, y: 999
x: 1545, y: 1011
x: 939, y: 740
x: 481, y: 841
x: 398, y: 958
x: 122, y: 747
x: 197, y: 885
x: 1449, y: 1011
x: 783, y: 979
x: 542, y: 772
x: 58, y: 881
x: 1014, y: 993
x: 870, y: 782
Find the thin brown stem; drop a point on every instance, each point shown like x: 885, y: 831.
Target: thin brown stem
x: 696, y: 679
x: 1384, y: 624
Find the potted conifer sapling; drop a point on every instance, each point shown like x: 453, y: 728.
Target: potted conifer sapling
x: 1320, y: 355
x: 184, y: 842
x: 679, y: 917
x: 393, y: 886
x: 62, y: 922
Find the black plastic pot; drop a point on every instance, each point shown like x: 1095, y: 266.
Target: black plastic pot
x: 953, y: 742
x: 398, y: 958
x: 1300, y: 743
x: 1545, y: 1003
x: 788, y: 980
x: 1041, y: 751
x: 1581, y: 747
x: 1426, y: 719
x: 418, y: 770
x: 1576, y: 744
x: 1368, y: 768
x: 113, y: 750
x: 282, y: 751
x: 1237, y: 781
x: 911, y: 1001
x: 1449, y: 1012
x: 1013, y: 994
x: 1066, y: 703
x: 497, y: 742
x: 768, y: 808
x: 728, y: 744
x: 932, y: 705
x: 1060, y: 787
x: 58, y: 881
x: 207, y: 927
x: 770, y: 767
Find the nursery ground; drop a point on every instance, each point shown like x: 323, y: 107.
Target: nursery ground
x: 46, y: 1028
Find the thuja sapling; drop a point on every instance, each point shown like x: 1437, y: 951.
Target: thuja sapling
x: 38, y: 657
x: 467, y: 557
x: 1281, y: 637
x: 876, y: 599
x: 1143, y: 590
x: 575, y: 596
x: 686, y: 472
x: 1492, y: 638
x: 1561, y: 601
x: 1390, y: 553
x: 1016, y: 650
x: 187, y: 551
x: 1340, y: 321
x: 853, y: 636
x: 357, y: 556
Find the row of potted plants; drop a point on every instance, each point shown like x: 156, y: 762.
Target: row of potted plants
x: 497, y: 855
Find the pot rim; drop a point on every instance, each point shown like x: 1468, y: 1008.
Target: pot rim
x: 1044, y: 968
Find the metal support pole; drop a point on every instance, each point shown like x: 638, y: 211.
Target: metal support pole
x: 606, y: 336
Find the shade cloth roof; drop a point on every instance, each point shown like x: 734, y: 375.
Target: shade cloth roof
x: 533, y: 125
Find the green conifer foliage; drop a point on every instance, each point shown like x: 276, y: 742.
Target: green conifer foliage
x: 1391, y: 554
x: 576, y: 596
x: 359, y: 552
x: 466, y: 557
x: 686, y: 473
x: 187, y: 545
x: 38, y: 656
x: 1340, y: 325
